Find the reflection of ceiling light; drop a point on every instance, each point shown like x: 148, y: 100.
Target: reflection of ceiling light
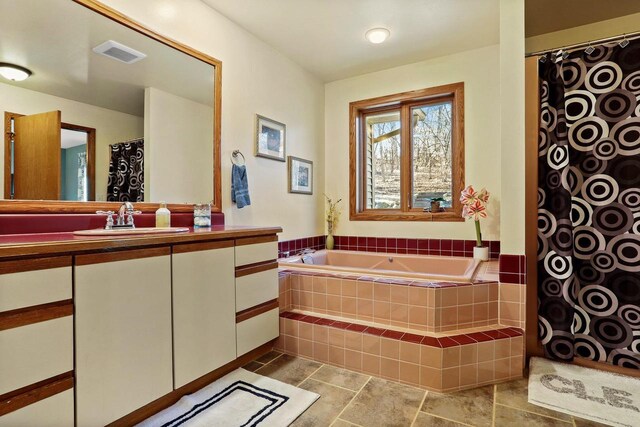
x: 377, y: 35
x: 13, y: 72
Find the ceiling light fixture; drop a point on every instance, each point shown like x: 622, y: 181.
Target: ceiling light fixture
x: 377, y: 35
x: 14, y: 72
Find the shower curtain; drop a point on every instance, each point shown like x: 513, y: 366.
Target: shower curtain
x: 589, y: 205
x: 126, y: 172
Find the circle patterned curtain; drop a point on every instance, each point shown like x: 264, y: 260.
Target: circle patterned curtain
x: 126, y: 172
x: 589, y: 205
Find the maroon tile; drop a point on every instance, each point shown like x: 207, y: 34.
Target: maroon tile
x: 412, y: 243
x: 434, y: 244
x: 417, y: 339
x: 324, y: 322
x: 463, y: 339
x: 340, y: 325
x: 510, y: 332
x: 362, y: 241
x: 447, y: 342
x: 374, y: 331
x: 394, y: 335
x: 509, y: 264
x: 458, y: 245
x: 469, y: 245
x: 446, y: 245
x: 308, y: 319
x: 286, y: 314
x: 401, y: 243
x: 431, y: 342
x: 495, y: 334
x: 424, y: 243
x: 479, y: 337
x: 356, y: 328
x: 297, y: 316
x: 352, y: 241
x: 392, y: 244
x: 517, y: 331
x: 457, y: 253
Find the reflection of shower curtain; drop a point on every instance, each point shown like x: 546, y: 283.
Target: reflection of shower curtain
x: 126, y: 172
x: 589, y: 205
x: 82, y: 176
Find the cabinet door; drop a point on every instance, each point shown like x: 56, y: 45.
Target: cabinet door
x: 203, y: 309
x: 123, y: 333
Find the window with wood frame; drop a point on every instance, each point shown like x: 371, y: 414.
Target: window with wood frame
x: 406, y: 150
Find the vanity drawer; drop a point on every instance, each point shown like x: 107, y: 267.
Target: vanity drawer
x: 254, y: 332
x: 26, y: 283
x: 54, y: 411
x: 35, y: 352
x: 255, y: 250
x: 256, y: 288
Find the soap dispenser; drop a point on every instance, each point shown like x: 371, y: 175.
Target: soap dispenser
x: 163, y: 216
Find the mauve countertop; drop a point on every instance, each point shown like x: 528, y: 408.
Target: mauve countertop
x: 66, y: 243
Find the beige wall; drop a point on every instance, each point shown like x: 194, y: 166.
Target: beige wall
x: 512, y: 138
x: 178, y: 149
x: 111, y: 126
x: 478, y: 69
x: 584, y: 33
x: 256, y: 79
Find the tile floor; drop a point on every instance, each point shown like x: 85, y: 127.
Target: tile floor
x: 353, y: 399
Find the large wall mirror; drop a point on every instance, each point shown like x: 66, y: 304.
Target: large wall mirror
x: 110, y: 112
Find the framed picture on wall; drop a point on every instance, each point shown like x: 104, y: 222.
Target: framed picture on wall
x: 300, y: 175
x: 270, y: 138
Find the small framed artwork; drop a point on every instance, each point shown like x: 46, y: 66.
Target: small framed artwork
x: 300, y: 175
x: 270, y: 138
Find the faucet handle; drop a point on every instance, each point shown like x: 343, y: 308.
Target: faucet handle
x: 109, y: 214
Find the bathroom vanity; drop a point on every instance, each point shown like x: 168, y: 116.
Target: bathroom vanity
x: 98, y: 330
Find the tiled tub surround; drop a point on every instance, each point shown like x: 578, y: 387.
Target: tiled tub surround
x: 291, y: 247
x: 416, y: 305
x: 446, y: 364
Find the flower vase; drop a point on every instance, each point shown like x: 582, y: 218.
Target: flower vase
x: 481, y: 253
x: 329, y: 242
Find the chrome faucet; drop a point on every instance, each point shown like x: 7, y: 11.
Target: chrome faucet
x: 306, y: 251
x: 124, y: 217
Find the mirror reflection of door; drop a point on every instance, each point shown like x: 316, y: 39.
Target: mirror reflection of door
x: 46, y: 159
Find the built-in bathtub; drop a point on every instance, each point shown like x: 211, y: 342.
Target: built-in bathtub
x: 417, y: 267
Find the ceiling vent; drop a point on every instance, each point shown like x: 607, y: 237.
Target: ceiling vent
x: 119, y: 52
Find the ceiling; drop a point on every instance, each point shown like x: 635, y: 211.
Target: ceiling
x: 55, y: 43
x: 326, y: 37
x: 72, y: 138
x: 546, y: 16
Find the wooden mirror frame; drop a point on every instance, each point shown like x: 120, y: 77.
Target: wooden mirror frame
x: 60, y: 206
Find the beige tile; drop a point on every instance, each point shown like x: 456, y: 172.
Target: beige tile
x: 430, y: 356
x: 266, y: 358
x: 409, y: 352
x: 449, y: 297
x: 349, y: 307
x: 381, y: 292
x: 486, y: 372
x: 465, y: 315
x: 334, y: 286
x: 468, y: 375
x: 334, y: 304
x: 502, y: 369
x: 510, y: 310
x: 320, y: 352
x: 418, y: 296
x: 252, y: 366
x: 289, y: 369
x: 486, y: 351
x: 492, y: 315
x: 320, y: 302
x: 431, y: 377
x: 410, y: 373
x: 336, y: 337
x: 306, y: 283
x: 399, y: 294
x: 502, y: 348
x: 399, y: 314
x: 451, y: 357
x: 450, y: 378
x: 305, y: 331
x: 336, y: 356
x: 389, y: 348
x: 474, y: 407
x: 291, y: 327
x: 515, y: 395
x: 371, y: 344
x: 320, y: 334
x: 331, y: 402
x: 353, y: 360
x: 381, y: 310
x: 340, y: 377
x: 417, y: 315
x: 290, y: 344
x: 465, y: 295
x: 506, y: 416
x: 426, y: 420
x: 349, y: 288
x: 509, y: 292
x: 353, y: 340
x: 390, y: 368
x: 480, y: 312
x: 320, y: 284
x: 305, y: 348
x: 480, y: 293
x: 365, y: 290
x: 306, y: 299
x: 449, y: 316
x: 493, y: 292
x: 468, y: 354
x: 371, y: 364
x: 384, y: 403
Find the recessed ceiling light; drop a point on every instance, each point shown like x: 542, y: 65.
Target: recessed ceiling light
x: 14, y: 72
x: 377, y: 35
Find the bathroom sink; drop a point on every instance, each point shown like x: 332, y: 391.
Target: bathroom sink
x: 130, y: 231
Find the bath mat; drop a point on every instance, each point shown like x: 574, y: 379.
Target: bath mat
x: 241, y: 398
x: 596, y: 395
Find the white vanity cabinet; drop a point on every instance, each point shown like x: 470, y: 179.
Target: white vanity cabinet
x: 204, y: 316
x: 257, y: 320
x: 122, y: 332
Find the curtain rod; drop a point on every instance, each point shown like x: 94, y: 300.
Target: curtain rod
x: 629, y: 36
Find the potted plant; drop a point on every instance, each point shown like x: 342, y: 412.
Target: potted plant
x: 332, y: 220
x: 474, y: 207
x: 435, y: 204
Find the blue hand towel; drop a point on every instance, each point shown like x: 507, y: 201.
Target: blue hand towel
x: 239, y: 186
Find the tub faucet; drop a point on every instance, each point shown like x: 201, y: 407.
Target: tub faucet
x: 306, y: 251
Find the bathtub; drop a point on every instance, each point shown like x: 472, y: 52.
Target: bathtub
x: 418, y: 267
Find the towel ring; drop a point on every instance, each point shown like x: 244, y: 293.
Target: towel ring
x: 234, y: 158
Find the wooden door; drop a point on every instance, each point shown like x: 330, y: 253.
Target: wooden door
x: 37, y: 156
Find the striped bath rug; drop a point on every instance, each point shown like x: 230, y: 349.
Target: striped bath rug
x: 593, y: 394
x: 241, y: 398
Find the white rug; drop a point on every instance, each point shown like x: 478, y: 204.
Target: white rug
x: 240, y: 398
x: 596, y: 395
